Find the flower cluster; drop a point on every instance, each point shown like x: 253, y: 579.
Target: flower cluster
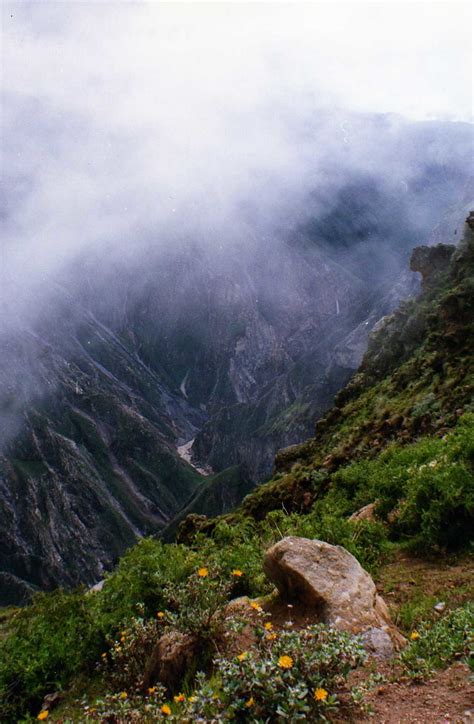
x: 293, y: 675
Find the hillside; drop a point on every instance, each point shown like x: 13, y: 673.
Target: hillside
x: 416, y: 379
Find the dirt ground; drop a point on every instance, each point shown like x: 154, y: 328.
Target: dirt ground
x: 448, y: 697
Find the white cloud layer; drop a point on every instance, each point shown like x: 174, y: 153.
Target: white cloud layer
x: 121, y: 118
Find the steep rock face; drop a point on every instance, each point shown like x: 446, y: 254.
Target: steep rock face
x: 93, y: 464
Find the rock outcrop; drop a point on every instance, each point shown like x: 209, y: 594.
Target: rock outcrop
x: 431, y: 262
x: 329, y: 579
x: 174, y: 655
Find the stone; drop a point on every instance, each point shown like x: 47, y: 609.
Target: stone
x: 439, y: 607
x: 378, y: 643
x: 97, y: 586
x: 173, y: 656
x: 365, y: 513
x: 330, y: 580
x: 51, y: 701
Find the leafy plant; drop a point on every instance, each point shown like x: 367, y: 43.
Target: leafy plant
x: 436, y: 645
x: 292, y: 675
x: 197, y: 605
x: 48, y: 643
x: 123, y: 664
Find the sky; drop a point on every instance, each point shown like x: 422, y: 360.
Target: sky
x: 119, y: 119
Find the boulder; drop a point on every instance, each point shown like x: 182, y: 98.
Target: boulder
x: 331, y: 581
x: 173, y: 656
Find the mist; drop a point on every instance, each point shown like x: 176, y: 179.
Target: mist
x: 130, y: 126
x: 182, y: 153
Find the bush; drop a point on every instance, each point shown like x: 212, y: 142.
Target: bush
x: 123, y: 664
x: 48, y: 643
x: 197, y: 605
x: 424, y: 490
x: 290, y: 676
x: 140, y: 578
x: 236, y: 547
x: 123, y: 707
x: 436, y: 645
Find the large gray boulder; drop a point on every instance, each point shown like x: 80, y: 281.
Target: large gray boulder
x: 330, y: 580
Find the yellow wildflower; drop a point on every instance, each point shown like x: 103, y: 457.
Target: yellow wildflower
x: 320, y: 694
x: 414, y: 635
x: 104, y: 656
x: 43, y: 715
x: 122, y: 639
x: 272, y: 637
x: 152, y: 689
x: 165, y: 710
x: 237, y: 572
x: 160, y: 614
x: 268, y: 626
x: 285, y: 662
x: 203, y: 572
x: 123, y: 695
x: 192, y: 698
x: 179, y: 698
x: 256, y: 606
x: 242, y: 656
x: 250, y: 702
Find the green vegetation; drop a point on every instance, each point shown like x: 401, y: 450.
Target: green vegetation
x: 293, y: 675
x: 424, y: 493
x: 436, y: 645
x: 48, y: 643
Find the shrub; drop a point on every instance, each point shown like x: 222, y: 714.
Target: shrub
x: 48, y: 643
x: 236, y: 547
x: 123, y: 664
x: 290, y: 676
x: 140, y: 578
x: 436, y: 645
x: 424, y: 490
x: 124, y: 707
x: 197, y: 606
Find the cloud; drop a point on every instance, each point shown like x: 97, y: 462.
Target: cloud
x: 129, y: 121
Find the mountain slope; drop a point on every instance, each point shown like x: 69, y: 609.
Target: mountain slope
x: 416, y: 379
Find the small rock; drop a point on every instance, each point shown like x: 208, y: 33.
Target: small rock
x: 97, y: 587
x: 51, y: 701
x: 378, y: 643
x: 440, y: 607
x: 365, y: 513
